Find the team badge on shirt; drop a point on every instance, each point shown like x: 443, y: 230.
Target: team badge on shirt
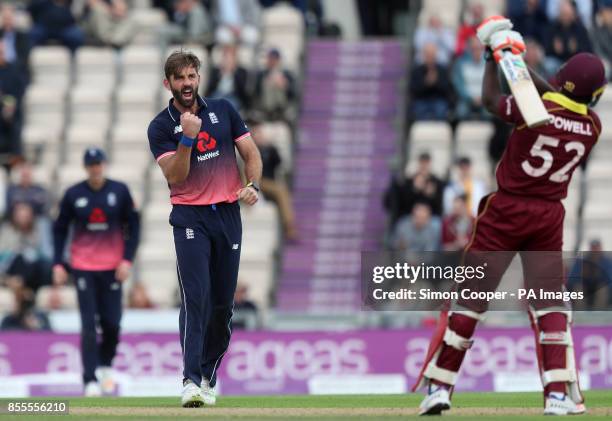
x: 213, y: 118
x: 111, y: 199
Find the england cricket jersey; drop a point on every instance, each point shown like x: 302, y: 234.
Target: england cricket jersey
x: 105, y: 226
x: 213, y: 171
x: 539, y: 162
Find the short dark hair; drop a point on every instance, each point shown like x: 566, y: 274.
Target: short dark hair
x: 179, y: 60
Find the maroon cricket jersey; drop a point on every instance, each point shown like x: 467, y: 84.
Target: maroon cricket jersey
x: 539, y: 162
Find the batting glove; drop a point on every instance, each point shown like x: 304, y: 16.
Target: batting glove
x: 491, y: 25
x: 507, y: 41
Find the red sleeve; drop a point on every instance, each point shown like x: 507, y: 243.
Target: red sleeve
x: 508, y: 111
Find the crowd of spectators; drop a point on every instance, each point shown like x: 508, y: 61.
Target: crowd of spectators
x: 554, y: 30
x: 445, y: 85
x: 430, y: 214
x: 223, y: 26
x: 229, y: 24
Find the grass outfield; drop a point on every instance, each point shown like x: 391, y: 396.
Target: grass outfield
x: 466, y: 406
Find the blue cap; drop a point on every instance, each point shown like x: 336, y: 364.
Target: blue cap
x: 94, y: 156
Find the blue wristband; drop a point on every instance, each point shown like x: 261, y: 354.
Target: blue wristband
x: 187, y: 141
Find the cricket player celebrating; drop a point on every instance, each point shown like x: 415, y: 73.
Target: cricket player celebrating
x: 104, y: 241
x: 525, y: 214
x: 194, y: 141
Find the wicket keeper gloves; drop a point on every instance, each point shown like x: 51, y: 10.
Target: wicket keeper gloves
x: 491, y: 25
x: 506, y: 40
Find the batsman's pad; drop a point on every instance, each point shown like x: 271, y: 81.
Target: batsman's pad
x: 569, y: 374
x: 444, y: 335
x: 491, y: 25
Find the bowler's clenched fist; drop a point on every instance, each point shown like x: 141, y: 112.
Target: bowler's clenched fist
x: 191, y: 124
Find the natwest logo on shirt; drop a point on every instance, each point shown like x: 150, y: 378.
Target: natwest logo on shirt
x: 206, y: 145
x: 97, y: 220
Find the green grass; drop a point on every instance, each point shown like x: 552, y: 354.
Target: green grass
x: 595, y: 399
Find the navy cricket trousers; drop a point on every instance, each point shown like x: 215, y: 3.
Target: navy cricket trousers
x: 99, y: 295
x: 207, y: 241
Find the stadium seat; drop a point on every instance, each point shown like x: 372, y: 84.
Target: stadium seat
x: 90, y: 105
x: 283, y: 28
x: 129, y: 144
x: 148, y: 20
x: 80, y: 137
x: 45, y: 105
x: 96, y: 67
x: 51, y: 66
x: 433, y: 137
x: 280, y: 136
x: 44, y: 139
x: 67, y: 175
x: 141, y: 66
x: 136, y: 105
x: 447, y: 11
x: 246, y: 56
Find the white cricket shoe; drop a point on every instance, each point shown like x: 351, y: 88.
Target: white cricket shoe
x: 192, y: 395
x: 561, y: 404
x: 436, y: 401
x: 92, y: 390
x: 107, y: 384
x: 209, y: 393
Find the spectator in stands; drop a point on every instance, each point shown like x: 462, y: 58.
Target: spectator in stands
x: 602, y: 32
x: 242, y: 301
x: 111, y: 23
x: 272, y: 187
x: 229, y: 80
x: 464, y: 183
x: 16, y: 42
x: 53, y: 20
x: 423, y: 186
x: 238, y: 22
x: 435, y: 33
x: 592, y: 274
x: 473, y: 16
x: 12, y: 88
x: 26, y: 191
x: 275, y: 89
x: 457, y: 226
x: 417, y: 232
x: 189, y: 22
x: 25, y: 316
x: 27, y: 249
x: 565, y: 37
x: 584, y: 10
x: 467, y: 76
x: 244, y: 308
x: 430, y: 87
x: 530, y: 19
x: 534, y: 57
x: 138, y: 297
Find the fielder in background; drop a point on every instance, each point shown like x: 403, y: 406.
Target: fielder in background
x: 105, y: 233
x: 525, y: 215
x: 194, y: 141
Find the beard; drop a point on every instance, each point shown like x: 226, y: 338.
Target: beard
x: 181, y: 98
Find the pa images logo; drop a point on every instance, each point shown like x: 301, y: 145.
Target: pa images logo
x: 205, y: 142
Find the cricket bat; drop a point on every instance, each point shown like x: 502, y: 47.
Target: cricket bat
x: 524, y: 91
